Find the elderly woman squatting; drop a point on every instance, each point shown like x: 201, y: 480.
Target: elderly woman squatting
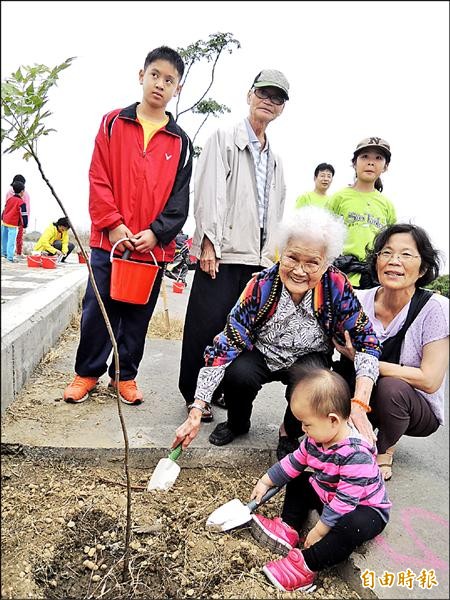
x: 288, y: 313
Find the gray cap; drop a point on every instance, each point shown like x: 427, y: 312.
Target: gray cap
x: 374, y: 143
x: 271, y: 77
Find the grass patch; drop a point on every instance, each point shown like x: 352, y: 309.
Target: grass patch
x: 158, y: 327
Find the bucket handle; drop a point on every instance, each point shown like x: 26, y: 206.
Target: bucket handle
x: 123, y: 240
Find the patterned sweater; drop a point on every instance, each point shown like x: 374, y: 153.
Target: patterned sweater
x: 344, y: 476
x: 335, y: 306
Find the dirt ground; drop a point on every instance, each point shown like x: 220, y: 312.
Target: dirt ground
x: 63, y: 529
x: 63, y: 536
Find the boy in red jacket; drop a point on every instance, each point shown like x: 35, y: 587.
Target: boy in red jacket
x: 14, y: 215
x: 139, y: 190
x: 26, y: 199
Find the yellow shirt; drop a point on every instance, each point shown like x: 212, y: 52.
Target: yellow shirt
x: 50, y: 235
x: 150, y: 128
x: 311, y: 198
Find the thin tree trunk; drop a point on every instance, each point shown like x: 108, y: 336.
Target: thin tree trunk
x: 125, y: 572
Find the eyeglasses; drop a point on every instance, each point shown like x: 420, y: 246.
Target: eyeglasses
x: 309, y: 266
x: 403, y: 257
x: 263, y: 94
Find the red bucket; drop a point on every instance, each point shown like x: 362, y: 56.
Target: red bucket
x: 131, y: 281
x: 81, y: 258
x: 49, y: 262
x: 178, y: 287
x: 34, y: 261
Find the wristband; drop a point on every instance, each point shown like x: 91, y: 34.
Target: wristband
x: 364, y: 406
x: 199, y: 406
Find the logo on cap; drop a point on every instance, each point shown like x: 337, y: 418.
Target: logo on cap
x: 377, y: 142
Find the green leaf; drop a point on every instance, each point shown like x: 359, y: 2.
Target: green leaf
x: 24, y: 94
x: 209, y: 51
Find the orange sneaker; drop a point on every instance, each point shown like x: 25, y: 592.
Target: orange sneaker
x: 78, y: 390
x: 129, y: 391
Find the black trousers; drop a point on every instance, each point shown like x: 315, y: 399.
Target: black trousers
x: 354, y: 528
x: 244, y: 378
x: 210, y: 301
x: 397, y: 409
x: 129, y: 323
x: 58, y: 245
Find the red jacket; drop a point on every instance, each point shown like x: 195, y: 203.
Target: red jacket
x: 25, y: 198
x: 141, y: 189
x: 15, y: 212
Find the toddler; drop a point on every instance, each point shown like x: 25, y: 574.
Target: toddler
x: 345, y: 486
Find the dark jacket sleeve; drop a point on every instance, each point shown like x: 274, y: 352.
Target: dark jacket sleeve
x: 24, y: 215
x: 173, y: 217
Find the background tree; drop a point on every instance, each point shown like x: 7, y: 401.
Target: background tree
x: 24, y: 114
x: 209, y: 51
x: 441, y: 285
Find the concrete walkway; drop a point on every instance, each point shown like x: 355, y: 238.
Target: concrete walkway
x: 416, y: 538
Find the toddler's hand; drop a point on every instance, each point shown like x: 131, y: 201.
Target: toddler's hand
x: 263, y: 486
x: 319, y: 531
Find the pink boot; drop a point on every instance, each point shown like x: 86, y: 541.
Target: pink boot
x: 291, y: 573
x: 274, y: 534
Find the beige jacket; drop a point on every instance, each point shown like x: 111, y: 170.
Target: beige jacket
x: 225, y: 200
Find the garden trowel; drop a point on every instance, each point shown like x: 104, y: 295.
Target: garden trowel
x: 234, y: 514
x: 166, y: 471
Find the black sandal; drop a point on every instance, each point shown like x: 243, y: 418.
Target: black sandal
x: 219, y: 401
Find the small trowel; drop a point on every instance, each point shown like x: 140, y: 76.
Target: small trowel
x: 234, y: 513
x: 166, y: 472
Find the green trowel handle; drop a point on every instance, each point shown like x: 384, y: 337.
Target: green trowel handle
x: 267, y: 496
x: 175, y: 454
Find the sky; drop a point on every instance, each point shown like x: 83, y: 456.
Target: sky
x: 356, y: 70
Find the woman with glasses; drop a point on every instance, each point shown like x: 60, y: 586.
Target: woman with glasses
x: 287, y: 314
x: 412, y: 325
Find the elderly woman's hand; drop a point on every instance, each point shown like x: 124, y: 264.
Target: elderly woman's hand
x: 188, y: 430
x: 358, y: 417
x: 348, y: 350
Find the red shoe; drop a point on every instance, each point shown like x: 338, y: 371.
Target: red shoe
x: 291, y: 573
x: 129, y: 392
x: 274, y: 534
x: 78, y: 390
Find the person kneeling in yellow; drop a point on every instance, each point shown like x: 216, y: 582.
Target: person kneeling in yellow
x: 55, y: 239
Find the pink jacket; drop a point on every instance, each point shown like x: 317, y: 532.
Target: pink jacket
x: 25, y: 198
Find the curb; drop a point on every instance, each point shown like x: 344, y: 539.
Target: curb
x: 35, y: 324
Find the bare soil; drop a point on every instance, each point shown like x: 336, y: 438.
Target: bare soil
x: 63, y: 527
x: 63, y: 536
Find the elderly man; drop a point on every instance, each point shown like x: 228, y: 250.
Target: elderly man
x: 239, y: 199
